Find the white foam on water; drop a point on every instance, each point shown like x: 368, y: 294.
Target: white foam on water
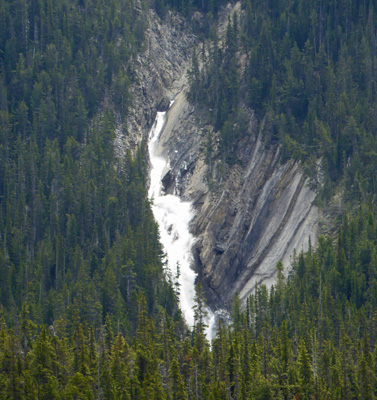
x: 173, y: 217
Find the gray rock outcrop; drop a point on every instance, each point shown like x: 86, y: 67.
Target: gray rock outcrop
x: 160, y: 73
x: 248, y: 216
x: 252, y: 217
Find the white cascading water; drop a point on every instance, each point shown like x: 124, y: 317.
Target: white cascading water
x: 173, y: 217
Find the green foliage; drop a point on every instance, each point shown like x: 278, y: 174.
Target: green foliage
x: 86, y: 311
x: 187, y: 7
x: 308, y: 68
x: 313, y: 335
x: 72, y: 214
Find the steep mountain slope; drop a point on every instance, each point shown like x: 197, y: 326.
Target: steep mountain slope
x: 160, y: 73
x: 252, y: 217
x: 86, y: 310
x: 73, y: 216
x: 257, y: 211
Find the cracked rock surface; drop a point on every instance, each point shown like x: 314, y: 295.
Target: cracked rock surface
x: 248, y: 216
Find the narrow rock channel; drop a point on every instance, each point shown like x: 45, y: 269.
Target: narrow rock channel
x: 173, y: 217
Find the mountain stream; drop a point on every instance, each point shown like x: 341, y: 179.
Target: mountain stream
x: 173, y: 217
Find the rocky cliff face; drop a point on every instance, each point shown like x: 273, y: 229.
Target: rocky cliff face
x: 160, y: 74
x: 252, y: 217
x: 256, y: 212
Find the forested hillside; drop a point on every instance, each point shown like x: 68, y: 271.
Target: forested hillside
x: 86, y: 308
x: 313, y: 336
x: 309, y: 70
x: 73, y: 217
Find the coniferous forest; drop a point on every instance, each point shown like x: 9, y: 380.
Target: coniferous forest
x: 310, y: 75
x: 86, y: 308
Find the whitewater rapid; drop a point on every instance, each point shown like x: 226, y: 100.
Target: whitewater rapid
x: 173, y: 217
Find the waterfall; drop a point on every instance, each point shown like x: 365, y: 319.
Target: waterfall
x: 173, y: 217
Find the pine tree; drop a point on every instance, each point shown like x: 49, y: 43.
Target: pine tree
x: 177, y: 389
x: 305, y: 371
x: 200, y: 314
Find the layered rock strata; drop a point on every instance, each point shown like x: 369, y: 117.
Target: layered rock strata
x: 252, y: 217
x: 247, y: 216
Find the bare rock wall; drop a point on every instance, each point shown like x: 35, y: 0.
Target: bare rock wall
x: 247, y: 216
